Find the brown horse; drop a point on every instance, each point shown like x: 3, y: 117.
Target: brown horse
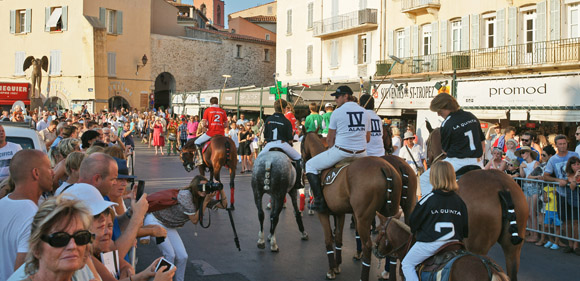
x: 395, y: 239
x: 489, y: 196
x: 410, y: 184
x: 221, y: 152
x: 367, y: 185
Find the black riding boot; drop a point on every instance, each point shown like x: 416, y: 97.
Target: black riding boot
x: 298, y: 166
x: 319, y: 204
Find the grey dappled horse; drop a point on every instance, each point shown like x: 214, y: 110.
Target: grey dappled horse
x: 274, y: 174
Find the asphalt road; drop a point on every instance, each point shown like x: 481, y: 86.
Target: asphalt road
x: 213, y: 255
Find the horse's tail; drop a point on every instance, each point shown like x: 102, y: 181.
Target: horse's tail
x: 509, y: 216
x: 389, y: 187
x: 267, y: 169
x: 228, y: 152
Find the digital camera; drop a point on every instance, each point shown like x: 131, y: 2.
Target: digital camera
x: 210, y: 187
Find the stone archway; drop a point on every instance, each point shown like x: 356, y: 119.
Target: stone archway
x: 164, y: 88
x: 53, y: 102
x: 118, y: 102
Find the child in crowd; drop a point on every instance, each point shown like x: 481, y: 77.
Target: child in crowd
x: 512, y: 145
x: 551, y: 217
x: 513, y: 167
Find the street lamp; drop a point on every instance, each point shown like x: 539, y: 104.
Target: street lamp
x: 143, y: 63
x: 226, y: 76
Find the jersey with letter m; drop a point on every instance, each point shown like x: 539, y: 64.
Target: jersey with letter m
x: 216, y: 119
x: 461, y: 135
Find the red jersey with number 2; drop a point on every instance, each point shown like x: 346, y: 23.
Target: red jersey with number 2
x: 216, y: 119
x: 290, y: 116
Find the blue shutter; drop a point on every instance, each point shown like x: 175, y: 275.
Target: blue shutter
x: 12, y: 21
x: 103, y: 16
x: 119, y: 22
x: 28, y: 26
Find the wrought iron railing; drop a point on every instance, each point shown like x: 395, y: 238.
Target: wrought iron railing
x: 412, y: 4
x: 345, y: 21
x: 525, y: 55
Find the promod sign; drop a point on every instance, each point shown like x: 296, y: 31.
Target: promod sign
x: 14, y: 91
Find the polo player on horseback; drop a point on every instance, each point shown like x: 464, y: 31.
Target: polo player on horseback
x: 215, y: 119
x: 348, y: 134
x: 278, y: 133
x: 461, y: 136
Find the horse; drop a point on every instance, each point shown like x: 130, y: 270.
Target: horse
x: 410, y: 184
x: 387, y: 139
x: 273, y: 173
x: 496, y: 206
x: 220, y: 152
x: 395, y: 239
x: 367, y: 185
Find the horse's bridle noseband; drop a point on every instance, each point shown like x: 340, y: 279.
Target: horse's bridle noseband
x: 393, y: 252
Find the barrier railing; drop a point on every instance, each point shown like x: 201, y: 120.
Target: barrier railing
x: 553, y: 210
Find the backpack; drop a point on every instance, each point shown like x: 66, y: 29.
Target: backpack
x: 162, y: 199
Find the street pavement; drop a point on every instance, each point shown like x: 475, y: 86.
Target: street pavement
x: 213, y: 255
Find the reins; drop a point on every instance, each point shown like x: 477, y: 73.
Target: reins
x: 407, y: 244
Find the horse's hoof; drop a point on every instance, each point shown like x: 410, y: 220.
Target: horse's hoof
x: 304, y: 236
x: 232, y: 207
x: 337, y: 270
x: 330, y: 275
x: 261, y: 245
x: 274, y: 249
x: 310, y: 212
x: 357, y: 256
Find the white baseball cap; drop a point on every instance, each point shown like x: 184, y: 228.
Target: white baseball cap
x: 90, y: 196
x: 328, y: 105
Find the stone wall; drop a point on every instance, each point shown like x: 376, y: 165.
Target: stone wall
x: 199, y: 64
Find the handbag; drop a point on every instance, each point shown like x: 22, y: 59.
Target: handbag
x: 172, y: 137
x: 420, y: 170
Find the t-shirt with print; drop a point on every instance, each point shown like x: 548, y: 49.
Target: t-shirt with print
x: 557, y: 166
x: 461, y: 135
x: 375, y: 147
x: 551, y: 204
x: 326, y: 120
x: 313, y: 123
x: 290, y: 116
x: 217, y: 120
x: 351, y: 123
x: 6, y: 154
x: 15, y: 225
x: 396, y: 141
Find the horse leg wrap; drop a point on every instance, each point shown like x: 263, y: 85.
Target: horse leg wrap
x: 302, y: 202
x: 331, y: 259
x: 366, y: 268
x: 338, y: 255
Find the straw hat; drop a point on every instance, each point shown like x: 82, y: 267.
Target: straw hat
x: 408, y: 135
x: 523, y: 149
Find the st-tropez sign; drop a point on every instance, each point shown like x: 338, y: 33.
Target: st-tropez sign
x: 541, y: 91
x: 412, y: 96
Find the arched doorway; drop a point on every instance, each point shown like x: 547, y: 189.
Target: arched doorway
x: 164, y: 87
x: 118, y: 102
x: 54, y: 102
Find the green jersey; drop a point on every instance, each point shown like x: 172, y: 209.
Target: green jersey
x: 326, y: 118
x: 313, y: 122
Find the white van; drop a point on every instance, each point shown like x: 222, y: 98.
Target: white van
x: 21, y: 134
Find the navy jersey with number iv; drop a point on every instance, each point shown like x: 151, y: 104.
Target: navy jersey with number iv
x: 461, y: 135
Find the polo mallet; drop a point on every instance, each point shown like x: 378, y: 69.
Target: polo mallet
x: 236, y: 239
x: 392, y: 83
x: 324, y: 95
x: 304, y: 86
x: 396, y: 60
x: 224, y: 87
x: 278, y: 90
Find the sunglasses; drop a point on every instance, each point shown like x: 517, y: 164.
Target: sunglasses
x: 578, y: 134
x: 525, y: 140
x: 61, y: 239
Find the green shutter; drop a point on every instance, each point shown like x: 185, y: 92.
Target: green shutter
x: 28, y: 26
x: 64, y: 18
x: 46, y: 18
x: 103, y: 16
x: 12, y: 21
x: 119, y: 22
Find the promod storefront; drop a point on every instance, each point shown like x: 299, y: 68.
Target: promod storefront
x: 12, y: 92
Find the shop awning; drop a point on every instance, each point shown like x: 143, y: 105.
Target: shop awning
x: 521, y: 115
x: 555, y: 115
x: 54, y: 17
x: 389, y: 112
x: 268, y: 111
x: 489, y: 113
x: 11, y: 102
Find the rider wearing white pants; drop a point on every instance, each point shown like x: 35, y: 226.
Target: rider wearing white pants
x: 286, y: 147
x: 348, y: 134
x: 461, y: 137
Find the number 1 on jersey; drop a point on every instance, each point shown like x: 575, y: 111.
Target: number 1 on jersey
x: 469, y: 135
x: 275, y: 134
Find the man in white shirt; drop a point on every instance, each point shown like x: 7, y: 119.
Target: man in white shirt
x: 31, y: 179
x: 48, y: 135
x: 7, y: 151
x: 43, y: 123
x: 396, y: 141
x: 412, y: 153
x: 375, y: 147
x: 348, y: 134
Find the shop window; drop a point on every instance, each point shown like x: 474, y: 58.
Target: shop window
x: 112, y: 64
x: 288, y: 61
x: 573, y: 20
x: 426, y: 39
x: 55, y: 60
x: 56, y: 18
x: 401, y: 43
x: 309, y: 57
x: 456, y: 36
x: 19, y: 58
x: 20, y: 21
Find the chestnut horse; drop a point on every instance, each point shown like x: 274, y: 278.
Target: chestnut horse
x: 367, y: 185
x: 221, y: 152
x: 494, y: 202
x: 395, y: 239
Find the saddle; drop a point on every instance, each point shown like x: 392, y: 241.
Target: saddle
x: 329, y: 175
x: 463, y: 170
x: 446, y: 253
x: 205, y: 146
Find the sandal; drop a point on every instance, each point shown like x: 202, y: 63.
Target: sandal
x: 567, y: 249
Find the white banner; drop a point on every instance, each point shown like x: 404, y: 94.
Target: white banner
x: 411, y: 96
x: 541, y: 91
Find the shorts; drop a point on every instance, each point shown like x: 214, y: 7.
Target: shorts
x: 530, y: 189
x: 566, y: 211
x: 551, y: 218
x: 245, y: 149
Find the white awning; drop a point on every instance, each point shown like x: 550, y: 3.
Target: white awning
x: 268, y: 111
x: 518, y: 115
x: 555, y: 115
x: 54, y: 17
x: 389, y: 112
x: 489, y: 113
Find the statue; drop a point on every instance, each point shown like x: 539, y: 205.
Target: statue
x: 37, y: 66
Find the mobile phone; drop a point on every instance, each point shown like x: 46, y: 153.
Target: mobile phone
x: 159, y: 240
x: 164, y: 262
x: 140, y: 189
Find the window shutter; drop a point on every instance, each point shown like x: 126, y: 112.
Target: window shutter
x: 111, y: 62
x: 541, y: 21
x: 465, y: 33
x: 309, y: 59
x: 289, y: 21
x: 390, y: 42
x: 64, y: 18
x: 407, y: 42
x: 444, y: 25
x: 555, y: 20
x: 288, y: 61
x: 119, y: 22
x: 27, y: 28
x: 475, y: 31
x: 512, y: 25
x: 415, y: 40
x: 435, y: 37
x: 362, y: 4
x: 19, y: 63
x: 46, y: 18
x: 369, y: 46
x: 310, y: 15
x: 356, y: 47
x: 12, y: 21
x: 500, y: 22
x: 55, y: 64
x: 103, y: 16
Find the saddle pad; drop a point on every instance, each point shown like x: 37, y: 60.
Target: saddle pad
x: 205, y: 146
x: 440, y: 275
x: 332, y: 174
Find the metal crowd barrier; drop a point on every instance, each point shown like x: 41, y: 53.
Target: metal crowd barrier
x: 554, y: 210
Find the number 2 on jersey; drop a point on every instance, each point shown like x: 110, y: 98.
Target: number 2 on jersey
x: 216, y: 118
x: 469, y: 135
x: 440, y: 225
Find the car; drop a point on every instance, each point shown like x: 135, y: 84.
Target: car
x: 22, y: 134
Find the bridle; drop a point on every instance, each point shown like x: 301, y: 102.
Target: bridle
x: 186, y: 164
x: 392, y: 253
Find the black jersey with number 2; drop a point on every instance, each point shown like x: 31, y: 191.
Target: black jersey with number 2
x: 461, y: 135
x: 278, y: 128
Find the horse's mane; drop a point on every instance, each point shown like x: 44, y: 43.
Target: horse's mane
x: 189, y: 145
x: 316, y: 141
x: 402, y: 225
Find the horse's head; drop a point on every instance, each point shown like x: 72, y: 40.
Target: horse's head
x: 387, y: 138
x: 393, y: 236
x: 187, y: 160
x: 434, y: 150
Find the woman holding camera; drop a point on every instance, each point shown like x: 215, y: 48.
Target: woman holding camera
x: 191, y: 200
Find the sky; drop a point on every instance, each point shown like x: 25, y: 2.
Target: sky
x: 237, y: 5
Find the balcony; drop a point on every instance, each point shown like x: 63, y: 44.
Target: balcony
x: 354, y: 22
x: 413, y: 8
x: 546, y: 54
